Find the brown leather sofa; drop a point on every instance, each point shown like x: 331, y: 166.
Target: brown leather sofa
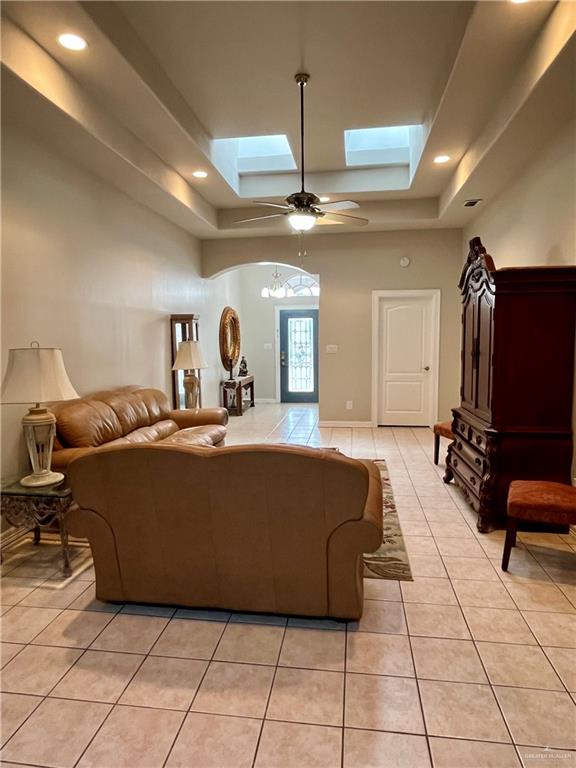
x: 257, y: 528
x: 126, y: 416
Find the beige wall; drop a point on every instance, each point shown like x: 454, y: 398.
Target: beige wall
x: 87, y: 269
x: 351, y: 266
x: 533, y: 221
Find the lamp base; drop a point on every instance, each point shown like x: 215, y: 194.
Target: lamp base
x: 42, y: 478
x: 191, y: 390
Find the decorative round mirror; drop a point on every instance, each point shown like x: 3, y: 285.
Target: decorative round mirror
x: 229, y: 339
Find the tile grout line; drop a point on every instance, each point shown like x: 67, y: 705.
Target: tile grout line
x: 187, y: 712
x: 44, y: 697
x: 422, y: 712
x: 263, y: 720
x: 493, y: 692
x: 344, y: 683
x: 111, y: 704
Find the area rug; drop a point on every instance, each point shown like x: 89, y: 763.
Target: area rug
x: 390, y: 561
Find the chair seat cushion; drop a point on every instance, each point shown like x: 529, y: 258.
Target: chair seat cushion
x: 210, y: 434
x: 444, y: 429
x: 543, y: 501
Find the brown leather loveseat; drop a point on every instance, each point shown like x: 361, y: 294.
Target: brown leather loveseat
x: 256, y: 528
x: 127, y: 416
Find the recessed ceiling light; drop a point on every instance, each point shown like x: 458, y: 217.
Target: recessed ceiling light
x: 72, y: 42
x: 324, y: 199
x: 439, y: 159
x: 199, y: 174
x: 519, y: 2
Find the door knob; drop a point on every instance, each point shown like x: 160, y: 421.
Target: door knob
x: 426, y: 367
x: 283, y: 359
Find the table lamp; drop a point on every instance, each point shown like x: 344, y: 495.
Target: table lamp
x: 37, y: 375
x: 190, y: 359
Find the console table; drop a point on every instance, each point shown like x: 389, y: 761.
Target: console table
x: 235, y: 392
x: 32, y: 508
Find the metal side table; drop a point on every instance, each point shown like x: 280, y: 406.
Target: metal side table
x: 33, y: 508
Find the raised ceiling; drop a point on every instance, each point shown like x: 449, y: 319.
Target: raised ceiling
x: 160, y: 81
x: 371, y: 64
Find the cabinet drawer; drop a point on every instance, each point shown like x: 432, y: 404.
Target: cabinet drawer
x: 474, y: 436
x: 472, y: 494
x: 474, y: 458
x: 469, y: 473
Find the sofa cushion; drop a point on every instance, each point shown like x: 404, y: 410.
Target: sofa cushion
x: 211, y: 434
x: 138, y: 408
x: 150, y: 434
x: 88, y: 423
x: 109, y: 415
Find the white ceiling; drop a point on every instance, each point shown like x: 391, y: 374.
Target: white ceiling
x: 176, y: 75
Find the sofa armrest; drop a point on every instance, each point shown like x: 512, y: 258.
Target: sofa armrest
x: 199, y: 417
x: 373, y: 511
x: 62, y: 457
x: 346, y: 546
x: 85, y: 523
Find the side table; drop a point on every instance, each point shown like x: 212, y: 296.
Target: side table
x: 233, y: 394
x: 34, y: 508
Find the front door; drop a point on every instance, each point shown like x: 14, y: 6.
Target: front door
x: 407, y: 337
x: 299, y: 355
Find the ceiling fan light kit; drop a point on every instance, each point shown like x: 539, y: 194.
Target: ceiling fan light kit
x: 304, y: 209
x: 301, y: 222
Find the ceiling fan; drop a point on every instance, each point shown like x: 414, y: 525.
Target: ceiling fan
x: 304, y: 209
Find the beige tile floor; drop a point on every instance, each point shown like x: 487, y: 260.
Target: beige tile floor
x: 466, y: 667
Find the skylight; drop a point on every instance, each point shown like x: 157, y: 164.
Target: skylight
x: 264, y: 153
x: 379, y: 146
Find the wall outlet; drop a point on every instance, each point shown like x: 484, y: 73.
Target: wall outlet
x: 331, y: 349
x: 348, y: 405
x: 267, y: 345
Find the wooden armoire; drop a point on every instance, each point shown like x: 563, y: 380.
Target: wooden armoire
x: 515, y: 417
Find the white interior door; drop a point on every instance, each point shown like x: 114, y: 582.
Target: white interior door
x: 407, y: 350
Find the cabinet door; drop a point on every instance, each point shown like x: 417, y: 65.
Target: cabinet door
x: 485, y: 308
x: 468, y: 381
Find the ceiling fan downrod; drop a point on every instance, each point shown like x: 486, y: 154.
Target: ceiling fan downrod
x: 304, y: 209
x: 302, y: 78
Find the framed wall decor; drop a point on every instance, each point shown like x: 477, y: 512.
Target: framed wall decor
x: 182, y: 328
x: 229, y: 339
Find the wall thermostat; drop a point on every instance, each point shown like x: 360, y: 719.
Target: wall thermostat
x: 404, y: 261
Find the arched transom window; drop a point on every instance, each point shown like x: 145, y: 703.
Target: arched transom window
x: 302, y: 285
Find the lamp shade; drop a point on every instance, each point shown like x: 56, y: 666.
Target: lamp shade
x: 36, y: 375
x: 189, y: 357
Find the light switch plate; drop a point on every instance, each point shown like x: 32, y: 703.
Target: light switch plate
x: 331, y: 349
x: 267, y: 345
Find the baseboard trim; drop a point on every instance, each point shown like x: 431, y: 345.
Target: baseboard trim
x: 360, y: 424
x: 266, y: 400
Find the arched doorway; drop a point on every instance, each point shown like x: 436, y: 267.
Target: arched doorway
x: 278, y: 307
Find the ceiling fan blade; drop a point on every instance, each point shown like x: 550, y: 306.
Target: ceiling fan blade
x: 261, y: 218
x: 338, y: 205
x: 326, y: 220
x: 344, y: 218
x: 272, y: 205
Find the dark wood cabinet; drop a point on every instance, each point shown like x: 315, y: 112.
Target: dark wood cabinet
x: 515, y: 417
